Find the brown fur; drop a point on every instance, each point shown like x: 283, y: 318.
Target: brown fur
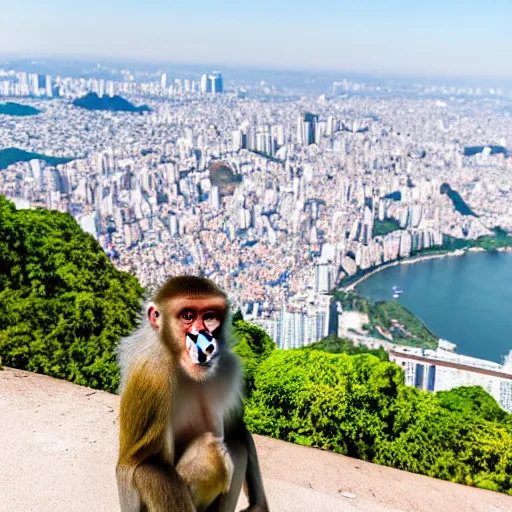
x: 183, y: 444
x: 192, y: 286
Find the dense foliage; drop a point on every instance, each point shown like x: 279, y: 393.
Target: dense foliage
x: 390, y: 318
x: 63, y: 306
x: 404, y: 327
x: 252, y: 345
x: 359, y: 406
x: 335, y: 345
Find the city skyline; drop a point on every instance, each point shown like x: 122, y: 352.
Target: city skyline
x: 456, y: 40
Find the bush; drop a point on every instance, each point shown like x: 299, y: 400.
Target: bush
x: 63, y: 306
x: 359, y: 406
x: 335, y: 345
x: 253, y: 345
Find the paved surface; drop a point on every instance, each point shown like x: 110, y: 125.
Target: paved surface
x: 59, y: 447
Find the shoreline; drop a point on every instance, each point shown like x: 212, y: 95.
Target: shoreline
x: 410, y: 261
x: 417, y: 259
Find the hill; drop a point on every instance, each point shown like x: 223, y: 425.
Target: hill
x: 388, y: 318
x: 63, y: 305
x: 92, y: 101
x: 9, y: 156
x: 16, y: 109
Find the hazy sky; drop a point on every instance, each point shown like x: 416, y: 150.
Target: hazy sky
x: 442, y: 37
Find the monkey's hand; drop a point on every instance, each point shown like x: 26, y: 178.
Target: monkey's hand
x: 207, y: 468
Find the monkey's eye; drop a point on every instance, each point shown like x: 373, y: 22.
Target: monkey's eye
x: 187, y: 317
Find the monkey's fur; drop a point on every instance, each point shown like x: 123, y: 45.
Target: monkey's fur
x: 183, y: 443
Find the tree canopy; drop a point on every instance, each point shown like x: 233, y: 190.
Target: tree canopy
x: 63, y: 305
x: 359, y: 406
x: 253, y: 345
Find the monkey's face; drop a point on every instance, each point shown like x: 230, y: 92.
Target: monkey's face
x: 192, y: 328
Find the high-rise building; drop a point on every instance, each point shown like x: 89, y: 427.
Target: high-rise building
x: 442, y: 370
x: 49, y: 86
x: 174, y: 225
x: 41, y: 82
x: 216, y: 83
x: 307, y: 131
x: 322, y: 278
x: 238, y: 137
x: 101, y: 88
x: 163, y: 81
x: 110, y: 88
x: 24, y: 81
x: 215, y: 197
x: 300, y: 137
x: 205, y: 84
x: 33, y: 84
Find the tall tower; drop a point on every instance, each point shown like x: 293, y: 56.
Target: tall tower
x: 101, y: 88
x: 110, y: 88
x: 216, y: 84
x: 215, y: 198
x: 49, y: 86
x: 300, y: 138
x: 205, y: 84
x: 163, y: 82
x: 312, y: 119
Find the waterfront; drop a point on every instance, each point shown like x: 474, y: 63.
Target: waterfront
x: 466, y: 300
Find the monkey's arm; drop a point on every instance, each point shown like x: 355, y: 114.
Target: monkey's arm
x: 145, y: 468
x: 253, y: 480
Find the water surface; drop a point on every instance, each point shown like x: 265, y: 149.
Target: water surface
x: 466, y: 300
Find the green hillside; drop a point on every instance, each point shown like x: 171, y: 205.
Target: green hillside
x: 63, y: 306
x: 359, y: 406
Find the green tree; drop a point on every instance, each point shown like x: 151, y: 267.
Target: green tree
x: 237, y: 316
x: 472, y: 401
x: 63, y: 306
x: 335, y: 345
x: 253, y: 345
x: 359, y: 406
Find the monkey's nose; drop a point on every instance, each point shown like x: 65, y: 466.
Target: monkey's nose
x: 201, y: 356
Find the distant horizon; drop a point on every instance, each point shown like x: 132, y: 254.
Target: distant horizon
x: 12, y: 57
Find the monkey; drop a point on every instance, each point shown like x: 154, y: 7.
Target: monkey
x: 183, y: 443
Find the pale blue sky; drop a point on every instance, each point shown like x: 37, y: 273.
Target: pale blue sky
x: 441, y: 37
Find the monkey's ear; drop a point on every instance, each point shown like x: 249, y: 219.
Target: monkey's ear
x: 153, y: 315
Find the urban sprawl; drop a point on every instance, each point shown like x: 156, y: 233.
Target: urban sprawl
x: 276, y: 196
